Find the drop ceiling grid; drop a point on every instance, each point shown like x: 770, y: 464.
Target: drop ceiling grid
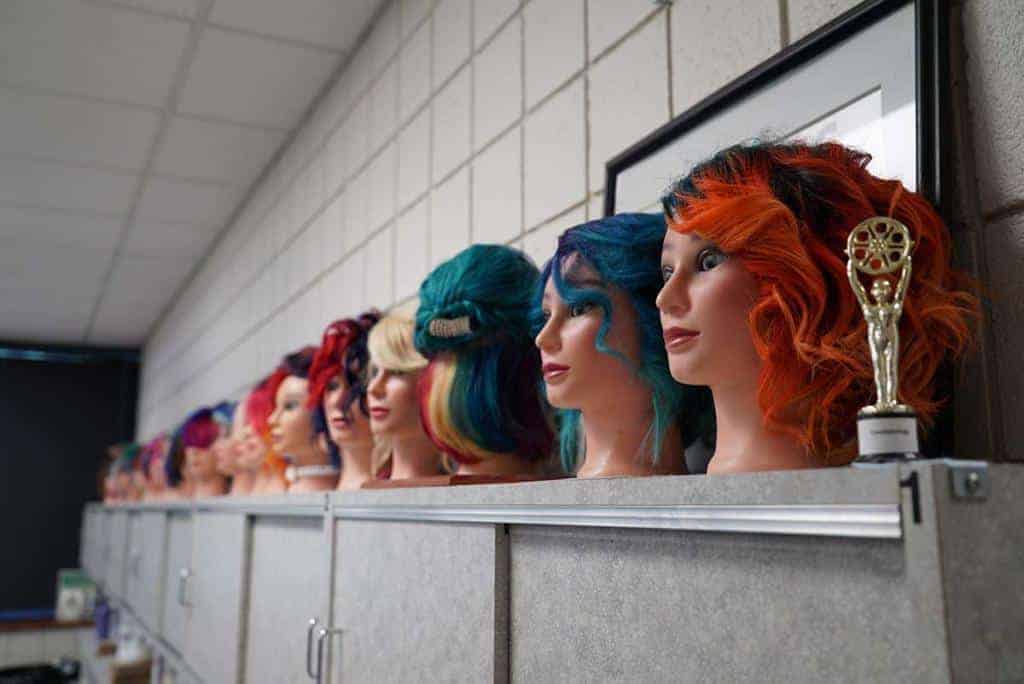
x: 98, y: 129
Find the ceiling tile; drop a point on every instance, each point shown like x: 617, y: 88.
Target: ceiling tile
x: 252, y: 80
x: 52, y: 327
x: 75, y: 47
x: 172, y: 240
x: 201, y: 149
x: 43, y: 184
x: 69, y: 129
x: 139, y: 289
x: 177, y: 201
x: 59, y: 227
x: 32, y: 265
x: 330, y: 23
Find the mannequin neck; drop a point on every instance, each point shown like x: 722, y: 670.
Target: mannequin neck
x: 316, y: 483
x: 308, y: 456
x: 242, y: 483
x: 744, y: 444
x: 615, y: 446
x: 501, y: 464
x: 356, y: 464
x: 269, y: 481
x: 215, y: 485
x: 414, y: 455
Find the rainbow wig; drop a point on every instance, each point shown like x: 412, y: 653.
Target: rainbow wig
x: 480, y: 393
x: 785, y: 211
x: 625, y: 250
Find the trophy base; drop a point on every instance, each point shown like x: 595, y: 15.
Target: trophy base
x: 886, y: 436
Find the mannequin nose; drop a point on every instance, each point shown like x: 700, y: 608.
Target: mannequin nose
x: 672, y: 298
x: 547, y: 339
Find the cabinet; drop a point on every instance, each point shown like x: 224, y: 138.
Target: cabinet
x: 287, y: 586
x: 177, y: 566
x: 419, y: 601
x: 214, y: 625
x: 117, y: 532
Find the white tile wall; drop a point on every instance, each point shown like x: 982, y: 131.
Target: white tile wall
x: 497, y: 191
x: 498, y: 85
x: 454, y: 121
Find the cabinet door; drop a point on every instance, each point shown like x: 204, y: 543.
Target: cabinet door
x: 85, y: 552
x: 420, y: 602
x: 150, y: 583
x: 174, y: 599
x: 132, y: 559
x: 102, y: 548
x: 215, y: 592
x: 117, y: 531
x: 287, y: 587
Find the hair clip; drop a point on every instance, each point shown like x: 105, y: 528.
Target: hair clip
x: 450, y: 327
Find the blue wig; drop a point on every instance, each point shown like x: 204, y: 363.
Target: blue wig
x: 625, y: 250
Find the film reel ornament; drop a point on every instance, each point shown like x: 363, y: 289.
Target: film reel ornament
x: 879, y: 247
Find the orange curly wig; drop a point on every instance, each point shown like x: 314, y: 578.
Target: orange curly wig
x: 785, y: 211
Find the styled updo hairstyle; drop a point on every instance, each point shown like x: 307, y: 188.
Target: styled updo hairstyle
x: 785, y: 211
x: 480, y: 395
x: 625, y: 251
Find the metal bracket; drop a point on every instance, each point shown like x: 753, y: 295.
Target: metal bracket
x: 970, y: 480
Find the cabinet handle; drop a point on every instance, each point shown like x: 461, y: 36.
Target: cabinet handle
x: 320, y: 636
x: 309, y: 648
x: 183, y: 577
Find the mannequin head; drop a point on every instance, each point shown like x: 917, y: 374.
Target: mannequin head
x: 127, y: 482
x: 338, y: 381
x: 756, y: 289
x: 155, y: 470
x: 479, y: 396
x: 223, y: 453
x: 600, y: 336
x: 198, y: 434
x: 292, y: 431
x: 395, y: 371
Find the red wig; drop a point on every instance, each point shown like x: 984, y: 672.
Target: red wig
x: 343, y: 352
x: 785, y: 211
x: 260, y: 402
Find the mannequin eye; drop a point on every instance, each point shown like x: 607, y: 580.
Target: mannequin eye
x: 666, y: 273
x: 710, y: 258
x: 580, y: 309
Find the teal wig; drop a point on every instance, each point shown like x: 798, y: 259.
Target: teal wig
x: 480, y: 393
x: 625, y: 250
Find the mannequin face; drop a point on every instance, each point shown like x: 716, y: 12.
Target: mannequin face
x: 291, y: 423
x: 200, y: 463
x: 157, y: 475
x: 705, y: 307
x: 251, y: 450
x: 123, y: 486
x: 394, y: 407
x: 222, y: 455
x: 353, y: 429
x: 576, y: 374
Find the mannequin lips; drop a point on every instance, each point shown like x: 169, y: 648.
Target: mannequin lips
x: 339, y: 422
x: 379, y: 412
x: 554, y: 372
x: 677, y: 338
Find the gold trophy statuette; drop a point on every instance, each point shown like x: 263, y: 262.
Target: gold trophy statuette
x: 878, y: 248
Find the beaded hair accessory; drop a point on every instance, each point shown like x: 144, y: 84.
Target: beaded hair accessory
x: 450, y: 327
